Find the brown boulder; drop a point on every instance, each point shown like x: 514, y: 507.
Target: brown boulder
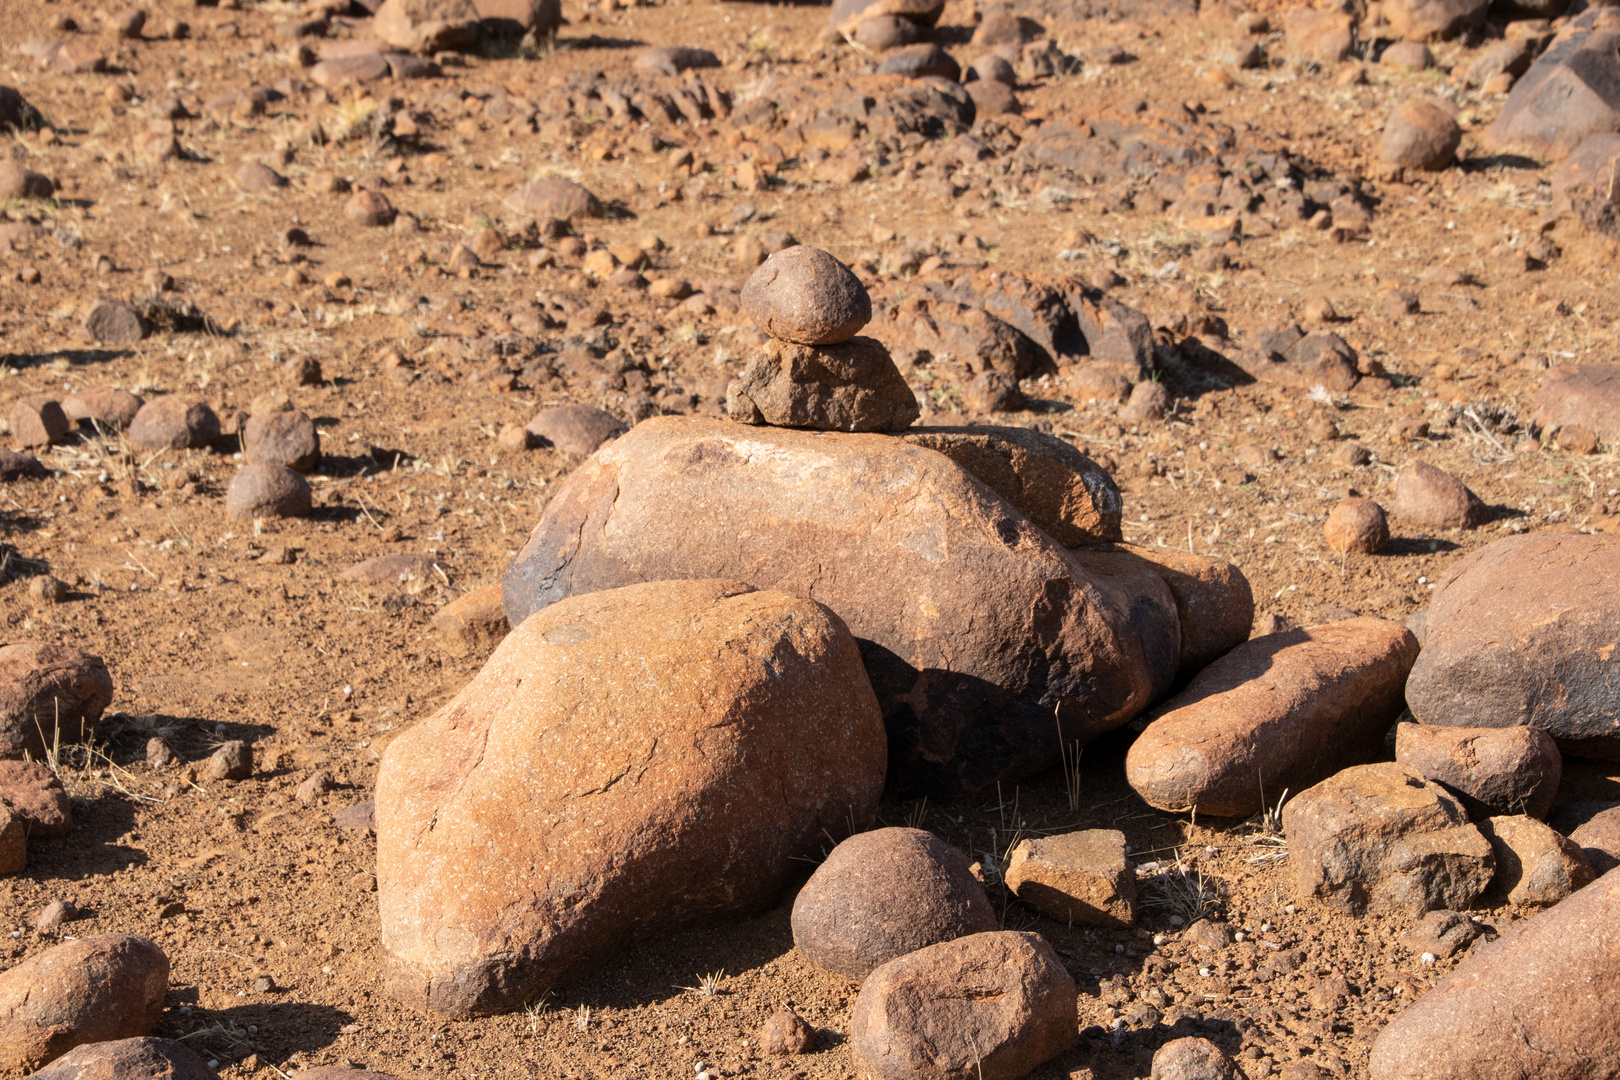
x: 1319, y: 35
x: 1192, y: 1058
x: 993, y: 98
x: 384, y: 569
x: 515, y: 17
x: 13, y: 842
x: 846, y: 14
x: 1357, y: 526
x: 851, y: 386
x: 36, y: 797
x: 1581, y: 395
x: 620, y: 766
x: 989, y: 1006
x: 1214, y: 602
x: 1076, y: 877
x: 1028, y: 630
x: 1434, y: 499
x: 1599, y: 839
x: 288, y: 439
x: 114, y: 322
x: 134, y: 1059
x: 472, y: 621
x: 171, y: 423
x: 102, y: 406
x: 369, y: 208
x: 427, y: 26
x: 1068, y: 495
x: 1421, y: 133
x: 804, y: 295
x: 1533, y: 1003
x: 1278, y: 712
x: 883, y: 894
x: 89, y: 990
x: 979, y: 340
x: 575, y: 429
x: 1521, y: 632
x: 49, y: 693
x: 1149, y: 606
x: 1513, y: 770
x: 1535, y: 865
x: 786, y: 1034
x: 1382, y: 838
x: 1570, y: 93
x: 20, y: 182
x: 674, y: 59
x: 37, y: 421
x: 1426, y: 20
x: 555, y: 198
x: 882, y: 32
x: 266, y: 491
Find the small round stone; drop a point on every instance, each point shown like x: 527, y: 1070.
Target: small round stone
x: 267, y: 491
x: 1357, y: 525
x: 288, y: 439
x: 806, y: 296
x: 370, y: 208
x: 169, y: 423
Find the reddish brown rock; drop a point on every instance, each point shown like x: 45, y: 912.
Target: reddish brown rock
x: 786, y: 1034
x: 1382, y: 838
x: 37, y: 421
x: 992, y: 1005
x: 36, y: 797
x: 134, y: 1059
x: 369, y: 208
x: 846, y: 13
x: 1569, y: 94
x: 1192, y: 1058
x: 993, y: 392
x: 555, y: 198
x: 619, y: 766
x: 110, y: 986
x: 804, y: 295
x: 171, y: 423
x: 883, y: 894
x: 1535, y: 866
x: 1421, y: 133
x: 1522, y: 633
x: 1581, y: 395
x: 252, y: 176
x: 397, y: 567
x: 427, y: 26
x: 851, y: 386
x: 1068, y: 495
x: 472, y: 621
x: 920, y: 62
x: 576, y: 429
x: 231, y: 760
x: 516, y: 17
x: 288, y: 439
x: 883, y: 32
x: 978, y: 339
x: 19, y: 182
x: 1513, y: 770
x: 1278, y: 712
x: 1425, y: 20
x: 49, y: 693
x: 102, y: 406
x: 1356, y: 526
x: 1530, y: 1004
x: 266, y: 491
x: 1599, y: 839
x: 1434, y: 499
x: 114, y: 322
x: 15, y: 465
x: 1028, y: 629
x: 1076, y: 877
x: 674, y: 59
x: 992, y: 97
x: 1214, y: 602
x: 13, y: 843
x: 1319, y: 35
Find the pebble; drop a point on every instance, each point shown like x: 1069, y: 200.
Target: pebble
x: 267, y: 491
x: 1432, y: 498
x: 785, y: 1034
x: 575, y: 429
x: 233, y: 760
x: 55, y: 914
x: 256, y: 176
x: 20, y: 182
x: 287, y: 439
x: 806, y: 296
x: 115, y: 322
x: 369, y: 208
x: 46, y: 590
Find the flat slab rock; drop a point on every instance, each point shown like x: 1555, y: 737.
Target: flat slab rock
x: 849, y: 386
x: 1076, y: 877
x: 1587, y: 395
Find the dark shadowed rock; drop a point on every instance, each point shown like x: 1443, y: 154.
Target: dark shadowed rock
x: 37, y: 421
x: 674, y: 59
x: 851, y: 386
x: 1535, y: 865
x: 114, y: 322
x: 918, y: 61
x: 1571, y: 93
x: 133, y: 1059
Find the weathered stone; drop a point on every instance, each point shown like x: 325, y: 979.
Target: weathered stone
x: 1319, y: 35
x: 233, y: 760
x: 1407, y: 56
x: 1587, y: 395
x: 1356, y: 526
x: 1599, y: 839
x: 993, y: 392
x: 37, y: 421
x: 252, y: 176
x: 1529, y: 1004
x: 1192, y: 1058
x: 851, y: 386
x: 1076, y: 877
x: 556, y: 198
x: 172, y: 423
x: 1427, y: 20
x: 427, y: 26
x: 15, y: 465
x: 266, y: 491
x: 1150, y: 608
x: 993, y: 98
x: 92, y: 989
x: 114, y: 322
x: 1028, y: 631
x: 967, y: 333
x: 49, y: 693
x: 1522, y: 633
x: 1421, y: 133
x: 1069, y: 496
x: 346, y: 70
x: 1114, y: 333
x: 883, y: 894
x: 287, y: 439
x: 19, y: 182
x: 1381, y: 838
x: 13, y: 843
x: 786, y: 1034
x: 1441, y: 934
x: 1432, y: 498
x: 846, y: 14
x: 133, y: 1059
x: 370, y: 208
x: 102, y: 406
x: 16, y: 114
x: 1571, y: 93
x: 388, y: 569
x: 921, y: 61
x: 804, y: 295
x: 575, y: 429
x: 472, y: 621
x: 621, y: 765
x: 516, y: 17
x: 1277, y: 712
x: 1214, y: 602
x: 1535, y: 866
x: 992, y: 1005
x: 674, y: 59
x: 884, y: 32
x: 36, y: 797
x: 1512, y: 770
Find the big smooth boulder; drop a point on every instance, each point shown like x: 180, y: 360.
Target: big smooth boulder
x: 49, y: 693
x: 1523, y: 632
x: 1282, y: 711
x: 90, y: 989
x: 975, y: 627
x: 626, y: 763
x: 1536, y: 1002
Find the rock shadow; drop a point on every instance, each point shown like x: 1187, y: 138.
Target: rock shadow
x: 283, y: 1028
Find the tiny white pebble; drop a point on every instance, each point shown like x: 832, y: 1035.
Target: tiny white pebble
x: 1239, y: 936
x: 1159, y: 939
x: 1204, y: 972
x: 16, y: 933
x: 1289, y: 910
x: 1427, y: 958
x: 1118, y: 1023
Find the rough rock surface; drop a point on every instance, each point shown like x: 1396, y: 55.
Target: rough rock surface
x: 785, y: 1034
x: 576, y: 429
x: 1193, y: 1058
x: 1432, y: 498
x: 1522, y: 633
x: 885, y: 893
x: 626, y: 762
x: 804, y: 295
x: 264, y: 491
x: 49, y: 692
x: 1076, y: 877
x: 1512, y: 770
x: 1585, y: 395
x: 992, y: 1005
x: 1356, y: 526
x: 1214, y: 602
x: 1030, y: 632
x: 92, y: 989
x: 1421, y: 133
x: 1380, y: 837
x: 287, y: 439
x: 137, y: 1059
x: 1570, y: 93
x: 36, y: 796
x: 111, y: 408
x: 427, y: 26
x: 171, y: 423
x: 1281, y: 711
x: 556, y: 198
x: 850, y: 386
x: 1420, y: 20
x: 1535, y: 866
x: 13, y: 842
x: 1599, y: 839
x: 1529, y: 1004
x: 474, y: 620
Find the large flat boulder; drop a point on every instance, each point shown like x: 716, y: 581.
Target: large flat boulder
x: 1585, y: 395
x: 627, y: 762
x: 1523, y: 632
x: 1282, y: 711
x: 975, y: 626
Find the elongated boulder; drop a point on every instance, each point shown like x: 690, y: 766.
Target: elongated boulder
x: 1279, y: 712
x: 1070, y: 496
x: 140, y: 1059
x: 1536, y: 1002
x: 1524, y: 632
x: 990, y: 1006
x: 49, y: 693
x: 91, y: 989
x: 1493, y: 770
x: 626, y: 763
x: 974, y: 625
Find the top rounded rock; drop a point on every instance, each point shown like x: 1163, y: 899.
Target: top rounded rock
x: 806, y: 296
x: 555, y: 197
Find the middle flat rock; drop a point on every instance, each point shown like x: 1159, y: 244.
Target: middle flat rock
x: 974, y: 625
x: 627, y: 762
x: 849, y: 386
